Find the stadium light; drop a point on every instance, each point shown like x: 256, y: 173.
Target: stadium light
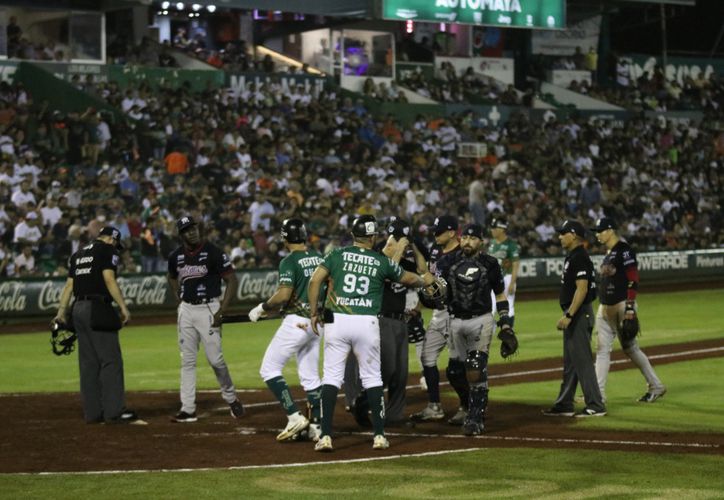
x: 180, y: 6
x: 211, y: 8
x: 409, y: 26
x: 196, y: 7
x: 191, y: 14
x: 165, y: 5
x: 165, y: 12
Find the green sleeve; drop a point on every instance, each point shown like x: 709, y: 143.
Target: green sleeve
x: 286, y: 273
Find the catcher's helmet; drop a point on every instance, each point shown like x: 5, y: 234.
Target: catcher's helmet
x: 364, y: 226
x: 293, y: 231
x: 62, y: 338
x: 398, y: 228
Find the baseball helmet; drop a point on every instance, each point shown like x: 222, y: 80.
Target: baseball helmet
x: 364, y: 226
x: 293, y: 231
x: 398, y: 228
x: 62, y: 338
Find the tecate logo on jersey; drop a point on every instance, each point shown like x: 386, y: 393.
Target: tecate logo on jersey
x: 257, y: 288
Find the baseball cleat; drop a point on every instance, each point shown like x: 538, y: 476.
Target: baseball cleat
x: 380, y: 442
x: 182, y: 417
x: 459, y: 417
x: 472, y: 428
x: 590, y: 412
x: 297, y: 423
x: 650, y: 397
x: 433, y: 411
x: 557, y: 412
x: 324, y: 444
x: 314, y: 432
x: 237, y: 410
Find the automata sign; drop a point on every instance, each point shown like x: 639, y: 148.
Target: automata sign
x: 547, y: 14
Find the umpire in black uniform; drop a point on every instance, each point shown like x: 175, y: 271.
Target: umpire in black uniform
x: 578, y: 290
x: 92, y: 280
x: 471, y: 277
x: 393, y: 333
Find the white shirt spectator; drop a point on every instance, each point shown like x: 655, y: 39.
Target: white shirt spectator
x: 325, y: 186
x: 23, y: 231
x: 545, y: 231
x: 20, y: 198
x: 449, y: 137
x: 51, y: 215
x: 25, y: 262
x: 104, y: 135
x: 257, y: 210
x: 7, y: 145
x: 233, y: 142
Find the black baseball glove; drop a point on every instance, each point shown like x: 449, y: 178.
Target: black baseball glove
x: 508, y: 342
x: 415, y: 329
x: 62, y: 338
x: 630, y: 327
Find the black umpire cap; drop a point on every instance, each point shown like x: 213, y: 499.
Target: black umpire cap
x: 113, y: 233
x: 572, y: 226
x: 184, y: 223
x: 445, y: 223
x: 398, y: 228
x: 603, y: 224
x: 475, y: 230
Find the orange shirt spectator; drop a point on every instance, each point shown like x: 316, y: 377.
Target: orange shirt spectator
x: 176, y: 163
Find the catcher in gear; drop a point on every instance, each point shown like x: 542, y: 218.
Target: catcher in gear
x: 62, y: 338
x: 471, y: 276
x: 617, y: 314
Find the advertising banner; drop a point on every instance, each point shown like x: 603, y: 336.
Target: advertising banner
x: 563, y: 43
x: 546, y: 14
x: 39, y: 297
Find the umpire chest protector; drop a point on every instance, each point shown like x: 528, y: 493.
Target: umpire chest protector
x: 469, y: 287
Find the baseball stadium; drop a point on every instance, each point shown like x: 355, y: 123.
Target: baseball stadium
x: 362, y: 249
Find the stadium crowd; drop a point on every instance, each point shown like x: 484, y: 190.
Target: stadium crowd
x: 242, y: 163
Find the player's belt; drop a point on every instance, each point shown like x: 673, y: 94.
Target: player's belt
x: 391, y: 315
x: 197, y: 302
x: 468, y: 315
x: 100, y: 298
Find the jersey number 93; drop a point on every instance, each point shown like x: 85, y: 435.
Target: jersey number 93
x: 356, y: 284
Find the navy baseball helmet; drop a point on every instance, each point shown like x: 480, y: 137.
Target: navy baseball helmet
x: 475, y: 230
x: 113, y: 233
x: 603, y: 224
x: 293, y: 231
x: 398, y: 228
x: 444, y: 223
x: 364, y: 226
x: 184, y: 223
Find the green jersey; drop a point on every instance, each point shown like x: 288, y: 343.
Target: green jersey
x: 506, y: 252
x: 294, y: 272
x: 357, y: 279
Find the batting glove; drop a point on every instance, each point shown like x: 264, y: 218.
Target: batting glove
x: 257, y: 312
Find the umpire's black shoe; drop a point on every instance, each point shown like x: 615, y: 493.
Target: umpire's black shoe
x: 558, y: 412
x: 237, y: 409
x: 126, y: 417
x: 590, y: 412
x: 182, y: 417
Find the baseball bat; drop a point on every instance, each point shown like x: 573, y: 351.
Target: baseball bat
x: 237, y: 318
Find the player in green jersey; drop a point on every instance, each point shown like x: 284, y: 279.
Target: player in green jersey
x: 294, y: 336
x: 506, y: 251
x: 356, y: 276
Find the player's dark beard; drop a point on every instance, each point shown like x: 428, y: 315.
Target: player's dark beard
x: 469, y: 251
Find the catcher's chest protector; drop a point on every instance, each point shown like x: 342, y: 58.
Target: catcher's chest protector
x: 469, y: 287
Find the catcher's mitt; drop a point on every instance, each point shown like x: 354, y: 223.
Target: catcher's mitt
x: 508, y: 342
x: 61, y: 338
x: 415, y: 329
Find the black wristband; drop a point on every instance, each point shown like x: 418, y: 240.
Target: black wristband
x: 502, y: 307
x: 265, y: 306
x: 568, y: 315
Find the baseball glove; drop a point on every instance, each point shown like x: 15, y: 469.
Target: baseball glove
x: 61, y: 338
x: 630, y: 328
x: 415, y: 329
x: 508, y: 342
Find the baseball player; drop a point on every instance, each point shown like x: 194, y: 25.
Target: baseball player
x: 356, y: 279
x: 438, y: 335
x: 195, y: 271
x: 295, y: 336
x: 471, y: 277
x: 619, y: 285
x: 506, y: 251
x: 578, y: 290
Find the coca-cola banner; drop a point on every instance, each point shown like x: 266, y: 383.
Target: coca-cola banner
x: 23, y: 298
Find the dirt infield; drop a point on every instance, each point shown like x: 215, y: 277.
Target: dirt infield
x: 46, y: 433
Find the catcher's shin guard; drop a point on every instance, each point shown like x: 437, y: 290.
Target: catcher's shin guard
x: 477, y: 403
x: 476, y: 365
x: 455, y: 372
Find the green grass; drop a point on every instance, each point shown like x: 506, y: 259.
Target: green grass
x: 485, y: 473
x: 151, y: 357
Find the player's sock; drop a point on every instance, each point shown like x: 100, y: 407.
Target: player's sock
x: 376, y: 397
x: 432, y: 379
x: 315, y: 402
x: 512, y: 321
x: 281, y: 390
x: 329, y: 400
